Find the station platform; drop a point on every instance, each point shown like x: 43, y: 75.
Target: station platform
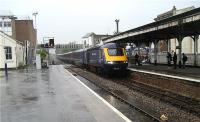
x: 180, y: 82
x: 52, y: 95
x: 190, y: 73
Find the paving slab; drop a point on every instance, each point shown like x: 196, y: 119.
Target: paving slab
x: 188, y: 72
x: 51, y: 95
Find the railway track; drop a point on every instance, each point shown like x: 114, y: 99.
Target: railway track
x: 178, y: 101
x: 184, y: 103
x: 118, y: 97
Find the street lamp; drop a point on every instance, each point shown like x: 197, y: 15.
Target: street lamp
x: 35, y: 14
x: 117, y: 24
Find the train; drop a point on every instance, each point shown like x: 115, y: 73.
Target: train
x: 104, y: 58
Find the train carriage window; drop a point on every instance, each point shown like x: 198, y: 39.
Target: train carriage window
x: 115, y: 52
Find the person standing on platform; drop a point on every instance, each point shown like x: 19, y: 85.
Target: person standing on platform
x: 184, y: 59
x: 175, y: 60
x: 169, y: 58
x: 137, y: 59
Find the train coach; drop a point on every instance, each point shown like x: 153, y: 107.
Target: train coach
x: 102, y: 58
x: 65, y: 57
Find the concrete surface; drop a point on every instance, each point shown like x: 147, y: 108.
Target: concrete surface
x: 50, y: 95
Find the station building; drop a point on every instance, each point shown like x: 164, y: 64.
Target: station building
x: 6, y: 18
x: 14, y: 50
x: 169, y: 45
x: 20, y: 28
x: 187, y: 42
x: 23, y: 30
x: 92, y: 39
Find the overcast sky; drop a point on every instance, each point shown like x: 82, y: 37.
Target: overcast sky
x: 70, y: 20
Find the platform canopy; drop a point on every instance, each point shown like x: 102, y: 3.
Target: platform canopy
x: 185, y: 24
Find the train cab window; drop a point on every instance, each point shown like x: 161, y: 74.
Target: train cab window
x: 115, y: 52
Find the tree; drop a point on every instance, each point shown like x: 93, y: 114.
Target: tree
x: 43, y: 54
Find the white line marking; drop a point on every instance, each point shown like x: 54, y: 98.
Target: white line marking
x: 171, y: 76
x: 104, y: 101
x: 4, y: 85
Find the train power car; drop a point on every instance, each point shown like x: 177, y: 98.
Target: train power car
x: 104, y: 58
x: 108, y: 57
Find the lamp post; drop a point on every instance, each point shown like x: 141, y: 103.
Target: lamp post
x: 35, y: 14
x: 117, y: 24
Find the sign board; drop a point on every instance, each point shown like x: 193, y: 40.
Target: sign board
x: 178, y: 47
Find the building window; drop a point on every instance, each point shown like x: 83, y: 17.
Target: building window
x: 6, y: 24
x: 8, y: 51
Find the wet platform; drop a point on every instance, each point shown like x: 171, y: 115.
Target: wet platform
x: 182, y: 82
x: 190, y: 73
x: 52, y: 95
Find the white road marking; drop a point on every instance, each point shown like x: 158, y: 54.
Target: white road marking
x: 171, y: 76
x: 103, y: 100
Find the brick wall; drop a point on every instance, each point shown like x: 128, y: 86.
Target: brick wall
x: 182, y: 87
x: 24, y: 30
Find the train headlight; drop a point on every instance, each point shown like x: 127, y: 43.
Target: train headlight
x: 125, y: 61
x: 110, y: 62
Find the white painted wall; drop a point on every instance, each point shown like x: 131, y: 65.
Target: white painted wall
x: 17, y: 51
x: 162, y: 58
x: 187, y: 45
x: 20, y: 54
x: 92, y: 40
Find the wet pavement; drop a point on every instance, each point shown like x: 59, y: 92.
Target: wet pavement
x: 150, y: 104
x: 133, y: 114
x: 49, y: 95
x: 190, y: 72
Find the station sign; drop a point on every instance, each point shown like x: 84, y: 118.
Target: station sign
x: 178, y: 47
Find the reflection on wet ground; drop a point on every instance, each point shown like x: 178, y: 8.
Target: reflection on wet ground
x: 129, y: 112
x: 30, y: 95
x: 20, y: 95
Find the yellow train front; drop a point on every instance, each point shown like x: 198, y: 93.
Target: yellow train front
x: 107, y: 58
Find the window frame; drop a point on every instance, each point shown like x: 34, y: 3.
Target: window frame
x: 122, y: 52
x: 8, y: 52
